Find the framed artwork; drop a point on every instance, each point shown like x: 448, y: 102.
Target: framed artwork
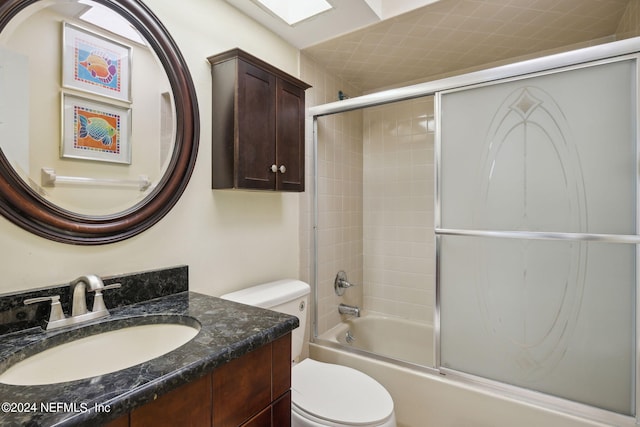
x: 96, y: 64
x: 93, y: 130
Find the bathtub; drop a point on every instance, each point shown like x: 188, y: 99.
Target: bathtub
x: 399, y: 354
x: 395, y: 338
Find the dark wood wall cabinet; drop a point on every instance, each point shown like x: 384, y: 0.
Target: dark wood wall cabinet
x: 251, y: 391
x: 258, y: 124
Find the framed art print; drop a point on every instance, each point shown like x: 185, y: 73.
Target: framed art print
x: 96, y: 64
x: 93, y: 130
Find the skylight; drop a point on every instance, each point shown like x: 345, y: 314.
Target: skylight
x: 106, y: 18
x: 294, y: 11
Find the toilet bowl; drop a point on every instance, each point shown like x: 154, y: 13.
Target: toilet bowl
x: 322, y: 394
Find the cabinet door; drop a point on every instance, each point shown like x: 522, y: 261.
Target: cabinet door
x: 281, y: 370
x: 276, y: 415
x: 256, y: 135
x: 263, y: 419
x: 242, y: 388
x: 123, y: 421
x: 281, y: 411
x: 290, y: 137
x: 189, y: 405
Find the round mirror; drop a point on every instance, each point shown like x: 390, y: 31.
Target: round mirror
x: 98, y: 119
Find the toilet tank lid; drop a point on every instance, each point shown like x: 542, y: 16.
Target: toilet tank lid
x: 268, y: 295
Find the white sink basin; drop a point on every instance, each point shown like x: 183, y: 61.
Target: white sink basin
x: 99, y: 354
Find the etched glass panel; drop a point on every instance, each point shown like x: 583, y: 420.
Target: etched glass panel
x: 540, y: 314
x: 550, y: 153
x: 554, y: 152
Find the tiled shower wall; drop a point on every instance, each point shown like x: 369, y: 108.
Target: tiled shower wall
x: 375, y: 203
x: 379, y: 229
x: 398, y: 190
x: 339, y: 196
x: 339, y: 212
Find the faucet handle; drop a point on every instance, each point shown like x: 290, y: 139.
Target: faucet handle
x: 341, y: 283
x: 112, y: 286
x: 98, y: 300
x: 56, y: 307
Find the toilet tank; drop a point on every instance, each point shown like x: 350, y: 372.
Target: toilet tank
x: 285, y: 296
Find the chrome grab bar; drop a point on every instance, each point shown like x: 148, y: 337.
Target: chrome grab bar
x: 49, y: 178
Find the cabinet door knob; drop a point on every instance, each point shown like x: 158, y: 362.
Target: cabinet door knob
x: 274, y: 168
x: 282, y: 169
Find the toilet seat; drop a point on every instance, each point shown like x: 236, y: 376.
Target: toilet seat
x: 339, y: 395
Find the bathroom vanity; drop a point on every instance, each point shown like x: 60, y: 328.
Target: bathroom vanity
x: 234, y: 372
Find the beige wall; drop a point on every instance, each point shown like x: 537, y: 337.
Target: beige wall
x: 229, y: 239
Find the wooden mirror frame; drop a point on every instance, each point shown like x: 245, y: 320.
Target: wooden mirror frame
x: 24, y: 207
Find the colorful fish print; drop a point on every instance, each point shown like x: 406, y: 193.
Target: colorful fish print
x: 97, y: 129
x: 100, y: 66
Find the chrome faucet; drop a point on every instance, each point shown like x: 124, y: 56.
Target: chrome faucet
x: 350, y: 310
x: 79, y: 312
x: 79, y: 292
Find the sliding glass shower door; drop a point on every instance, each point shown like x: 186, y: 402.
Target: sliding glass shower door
x: 536, y: 224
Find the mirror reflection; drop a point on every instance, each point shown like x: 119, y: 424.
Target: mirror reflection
x: 86, y: 110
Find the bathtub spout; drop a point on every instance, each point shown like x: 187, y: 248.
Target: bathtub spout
x: 351, y: 310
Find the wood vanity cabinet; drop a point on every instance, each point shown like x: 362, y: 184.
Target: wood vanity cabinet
x: 251, y: 391
x: 258, y: 124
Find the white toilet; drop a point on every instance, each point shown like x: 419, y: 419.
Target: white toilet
x: 322, y: 394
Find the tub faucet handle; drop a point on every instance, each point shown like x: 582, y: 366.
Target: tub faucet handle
x: 341, y: 283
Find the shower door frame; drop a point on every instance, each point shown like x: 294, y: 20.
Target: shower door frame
x: 550, y: 64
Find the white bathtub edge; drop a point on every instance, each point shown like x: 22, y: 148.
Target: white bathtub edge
x: 423, y: 398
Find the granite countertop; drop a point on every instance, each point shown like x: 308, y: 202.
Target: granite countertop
x: 227, y: 331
